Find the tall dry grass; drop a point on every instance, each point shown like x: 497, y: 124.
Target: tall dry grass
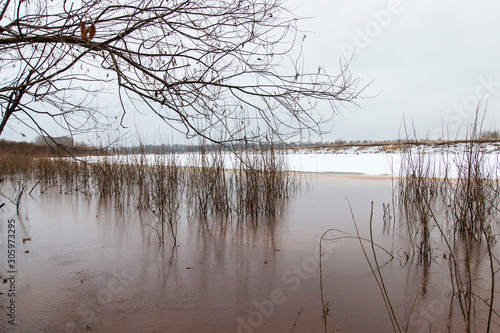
x: 166, y: 182
x: 263, y: 182
x: 209, y: 184
x: 159, y: 185
x: 461, y: 212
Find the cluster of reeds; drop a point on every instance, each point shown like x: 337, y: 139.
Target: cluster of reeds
x: 474, y: 205
x: 418, y: 184
x: 166, y: 189
x: 156, y: 183
x: 470, y: 200
x: 208, y: 184
x: 13, y: 165
x: 461, y: 211
x: 262, y: 182
x: 257, y: 185
x: 69, y: 176
x: 15, y: 175
x: 474, y: 199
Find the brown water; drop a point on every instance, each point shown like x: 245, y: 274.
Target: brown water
x: 91, y: 267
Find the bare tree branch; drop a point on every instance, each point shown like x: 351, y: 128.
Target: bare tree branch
x: 205, y: 67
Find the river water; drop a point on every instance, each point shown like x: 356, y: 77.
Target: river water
x: 93, y: 267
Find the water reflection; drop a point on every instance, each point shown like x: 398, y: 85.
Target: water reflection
x: 93, y: 265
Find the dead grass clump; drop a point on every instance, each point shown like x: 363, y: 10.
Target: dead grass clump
x: 258, y: 187
x: 470, y: 205
x: 166, y: 188
x: 474, y: 198
x: 208, y: 184
x: 263, y: 182
x: 13, y: 165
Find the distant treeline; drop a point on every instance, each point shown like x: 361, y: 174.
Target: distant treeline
x: 176, y: 148
x: 23, y: 148
x: 58, y: 146
x: 491, y: 135
x: 485, y: 135
x: 42, y: 148
x: 66, y: 146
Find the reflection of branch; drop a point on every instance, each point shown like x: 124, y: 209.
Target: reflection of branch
x: 363, y: 239
x: 424, y: 281
x: 379, y: 279
x: 326, y: 306
x: 297, y: 318
x: 21, y: 189
x: 38, y: 182
x: 155, y: 229
x: 487, y: 235
x: 6, y: 197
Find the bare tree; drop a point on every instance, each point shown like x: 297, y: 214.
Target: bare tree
x: 205, y: 67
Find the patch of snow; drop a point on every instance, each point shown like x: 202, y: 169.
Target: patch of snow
x: 366, y: 160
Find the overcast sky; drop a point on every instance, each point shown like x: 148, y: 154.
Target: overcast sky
x: 429, y: 62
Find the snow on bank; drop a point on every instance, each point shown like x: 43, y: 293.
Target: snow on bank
x: 367, y: 164
x: 372, y: 160
x: 386, y: 160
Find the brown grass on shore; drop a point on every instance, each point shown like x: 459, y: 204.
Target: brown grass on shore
x: 393, y: 145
